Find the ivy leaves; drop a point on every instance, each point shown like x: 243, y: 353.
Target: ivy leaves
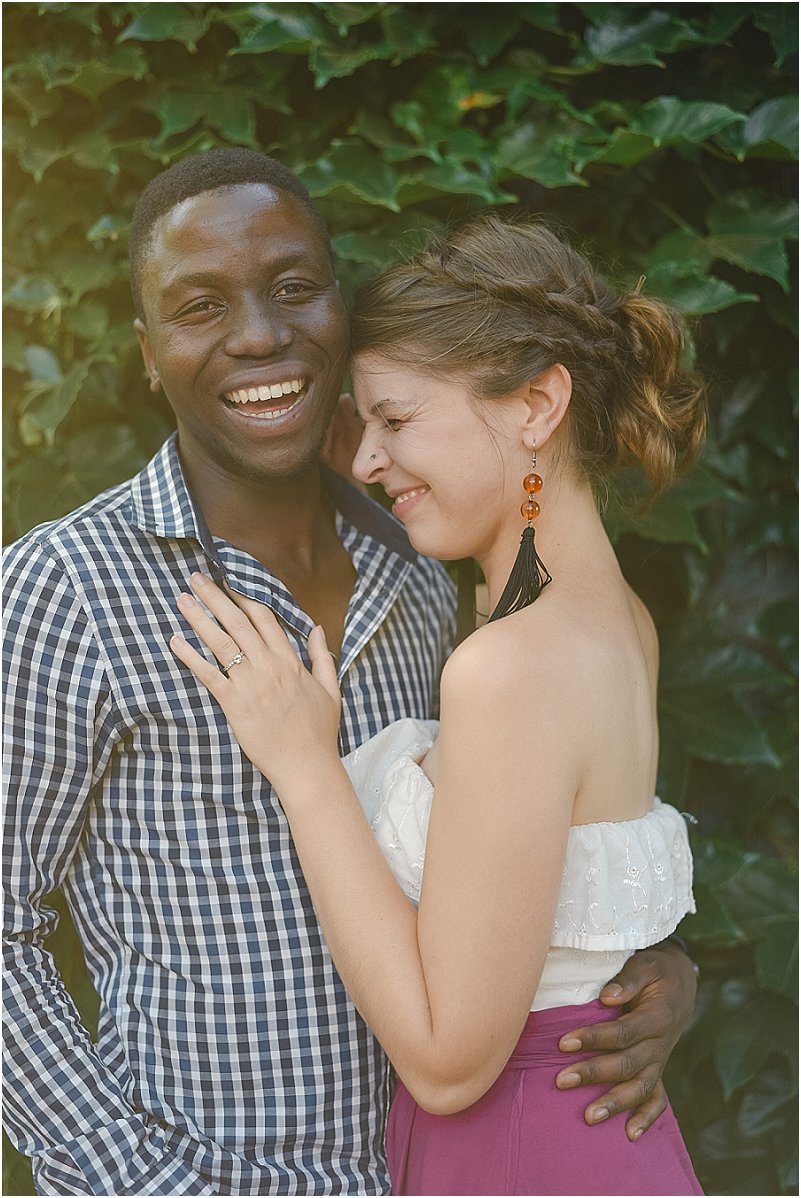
x: 665, y: 139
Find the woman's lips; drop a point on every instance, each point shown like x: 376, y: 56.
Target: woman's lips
x: 403, y: 503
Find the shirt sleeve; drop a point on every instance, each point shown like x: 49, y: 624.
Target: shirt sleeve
x: 63, y: 1107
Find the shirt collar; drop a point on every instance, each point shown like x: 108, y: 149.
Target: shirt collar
x: 162, y: 504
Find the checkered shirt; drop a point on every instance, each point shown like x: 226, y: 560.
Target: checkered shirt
x: 229, y: 1059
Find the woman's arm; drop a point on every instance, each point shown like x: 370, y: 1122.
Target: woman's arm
x: 446, y: 990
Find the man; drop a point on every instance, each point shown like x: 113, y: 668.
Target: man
x: 229, y: 1058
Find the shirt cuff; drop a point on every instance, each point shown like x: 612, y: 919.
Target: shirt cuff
x: 119, y: 1158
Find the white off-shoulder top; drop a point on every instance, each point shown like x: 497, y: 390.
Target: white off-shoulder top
x: 625, y: 885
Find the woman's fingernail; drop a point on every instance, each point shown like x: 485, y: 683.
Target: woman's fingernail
x: 569, y: 1044
x: 599, y: 1114
x: 613, y: 990
x: 185, y: 601
x: 635, y: 1135
x: 199, y: 580
x: 566, y: 1081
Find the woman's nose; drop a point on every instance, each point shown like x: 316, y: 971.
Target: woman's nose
x: 371, y: 459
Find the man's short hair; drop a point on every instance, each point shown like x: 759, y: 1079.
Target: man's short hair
x: 212, y: 170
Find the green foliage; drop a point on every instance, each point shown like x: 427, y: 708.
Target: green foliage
x: 664, y: 136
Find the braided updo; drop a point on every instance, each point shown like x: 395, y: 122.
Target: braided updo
x: 501, y: 300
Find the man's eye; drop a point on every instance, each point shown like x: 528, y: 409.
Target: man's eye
x: 200, y: 307
x: 291, y: 290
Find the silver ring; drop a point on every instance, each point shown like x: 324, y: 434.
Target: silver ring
x: 235, y: 662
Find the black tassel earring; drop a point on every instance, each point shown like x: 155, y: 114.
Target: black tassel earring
x: 529, y: 575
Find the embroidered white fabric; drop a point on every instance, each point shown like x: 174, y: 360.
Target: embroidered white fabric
x: 625, y: 885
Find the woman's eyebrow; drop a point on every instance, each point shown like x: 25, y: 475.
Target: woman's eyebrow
x: 403, y: 402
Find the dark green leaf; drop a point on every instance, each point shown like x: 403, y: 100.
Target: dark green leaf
x: 407, y: 37
x: 42, y: 364
x: 107, y: 227
x: 26, y: 89
x: 623, y: 43
x: 667, y: 120
x: 749, y: 231
x: 716, y: 728
x: 777, y: 957
x: 542, y: 16
x: 82, y: 270
x: 780, y: 22
x: 354, y: 169
x: 36, y: 149
x: 724, y: 19
x: 775, y: 121
x: 764, y: 1107
x: 93, y: 78
x: 485, y: 38
x: 446, y: 179
x: 34, y: 293
x: 335, y: 62
x: 748, y: 1037
x: 46, y: 410
x: 293, y: 28
x: 712, y: 921
x: 88, y: 319
x: 528, y: 151
x: 363, y: 247
x: 691, y: 292
x: 345, y: 15
x: 167, y: 22
x: 624, y: 148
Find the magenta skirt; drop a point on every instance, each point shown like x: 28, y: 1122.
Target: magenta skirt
x: 526, y: 1137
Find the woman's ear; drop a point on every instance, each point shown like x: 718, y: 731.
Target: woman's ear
x: 147, y: 355
x: 547, y: 401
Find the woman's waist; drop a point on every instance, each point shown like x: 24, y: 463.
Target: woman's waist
x: 538, y: 1044
x: 571, y: 976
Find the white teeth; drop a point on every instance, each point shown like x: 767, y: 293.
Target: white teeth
x: 408, y: 494
x: 272, y: 414
x: 261, y: 394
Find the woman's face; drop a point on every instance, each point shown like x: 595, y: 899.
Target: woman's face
x: 451, y: 464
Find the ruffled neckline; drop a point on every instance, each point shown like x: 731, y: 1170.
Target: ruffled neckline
x: 625, y: 884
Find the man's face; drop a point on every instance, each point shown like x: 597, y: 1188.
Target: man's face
x: 245, y: 330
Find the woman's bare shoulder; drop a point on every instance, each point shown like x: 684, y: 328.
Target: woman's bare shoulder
x: 511, y: 658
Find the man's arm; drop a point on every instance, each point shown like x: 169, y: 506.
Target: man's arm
x: 64, y: 1108
x: 657, y: 986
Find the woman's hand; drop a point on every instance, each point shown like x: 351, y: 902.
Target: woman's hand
x: 281, y: 714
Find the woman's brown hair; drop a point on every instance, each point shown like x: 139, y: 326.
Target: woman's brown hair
x: 501, y: 300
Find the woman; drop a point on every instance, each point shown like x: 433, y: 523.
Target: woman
x: 494, y: 357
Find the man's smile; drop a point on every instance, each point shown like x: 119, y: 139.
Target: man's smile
x: 264, y: 402
x: 264, y: 393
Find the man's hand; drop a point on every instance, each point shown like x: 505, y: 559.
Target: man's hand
x: 657, y: 986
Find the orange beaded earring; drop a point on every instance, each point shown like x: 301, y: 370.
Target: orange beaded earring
x: 529, y: 574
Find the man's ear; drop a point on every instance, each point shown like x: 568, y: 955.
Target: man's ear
x: 547, y: 402
x: 147, y: 355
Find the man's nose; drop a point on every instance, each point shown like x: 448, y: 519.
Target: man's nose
x: 257, y: 328
x: 371, y: 459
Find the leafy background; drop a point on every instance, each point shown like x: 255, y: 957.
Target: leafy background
x: 664, y: 137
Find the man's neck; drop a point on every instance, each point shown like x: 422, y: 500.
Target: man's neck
x: 288, y: 526
x: 276, y: 521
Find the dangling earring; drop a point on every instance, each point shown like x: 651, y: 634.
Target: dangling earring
x: 529, y: 575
